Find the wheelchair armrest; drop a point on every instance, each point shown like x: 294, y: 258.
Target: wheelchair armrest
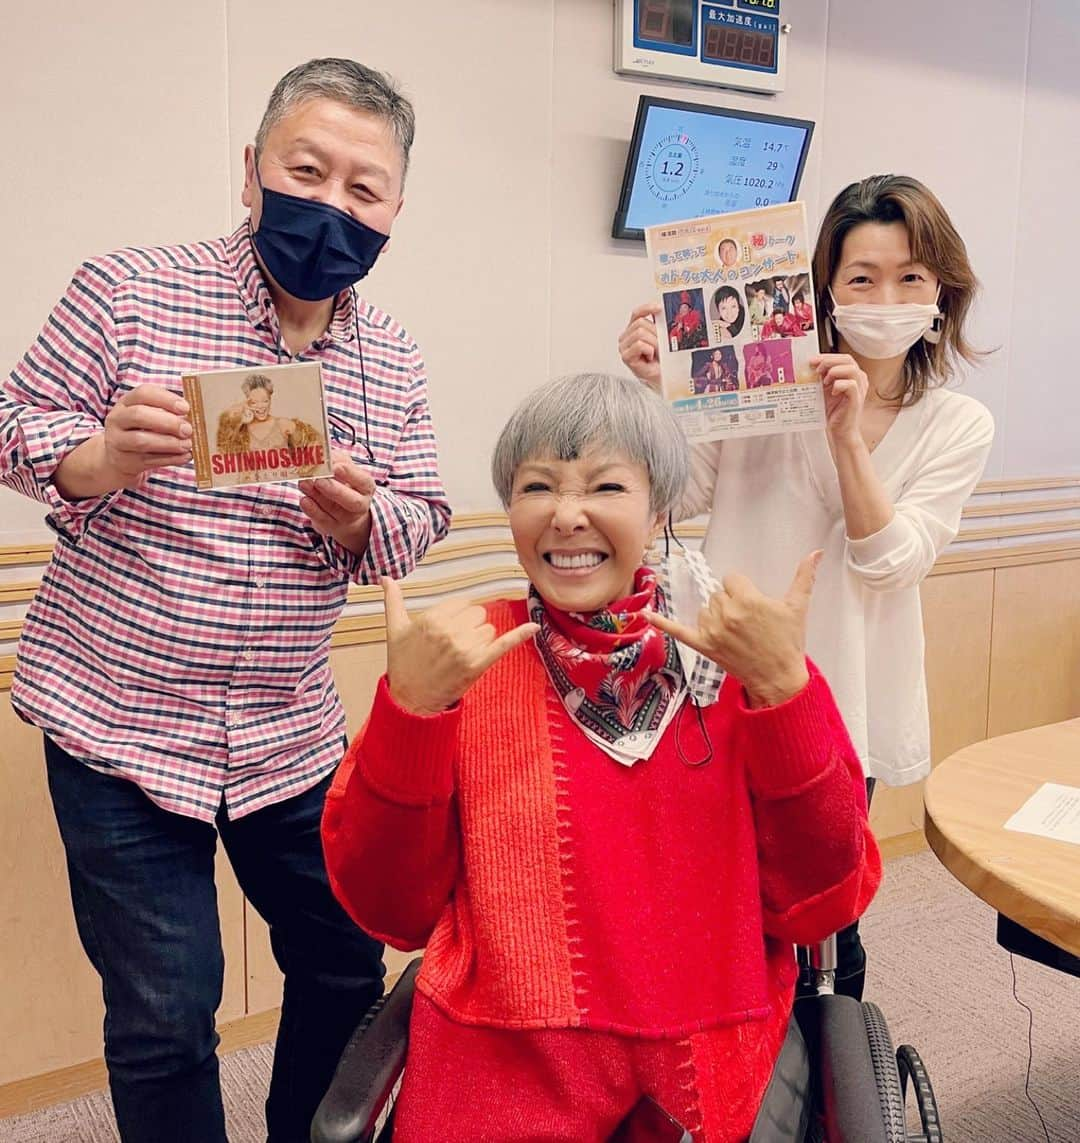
x: 369, y: 1067
x: 785, y: 1108
x: 850, y: 1098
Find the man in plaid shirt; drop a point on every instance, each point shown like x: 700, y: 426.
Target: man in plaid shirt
x: 176, y: 654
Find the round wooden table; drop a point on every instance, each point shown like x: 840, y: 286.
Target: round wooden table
x: 969, y: 797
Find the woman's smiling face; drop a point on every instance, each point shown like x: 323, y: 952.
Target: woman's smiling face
x: 581, y: 527
x: 258, y: 401
x: 728, y: 309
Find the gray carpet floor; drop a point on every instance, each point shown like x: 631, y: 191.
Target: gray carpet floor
x: 936, y: 972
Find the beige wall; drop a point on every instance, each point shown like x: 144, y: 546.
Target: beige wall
x: 131, y: 118
x: 116, y: 133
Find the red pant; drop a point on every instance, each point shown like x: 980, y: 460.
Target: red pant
x: 490, y: 1085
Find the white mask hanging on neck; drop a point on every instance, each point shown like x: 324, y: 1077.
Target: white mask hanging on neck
x: 877, y: 332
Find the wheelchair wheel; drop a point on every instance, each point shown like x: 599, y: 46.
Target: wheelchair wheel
x: 911, y: 1067
x: 886, y: 1074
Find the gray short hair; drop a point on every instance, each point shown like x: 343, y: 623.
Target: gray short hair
x: 347, y: 82
x: 567, y: 417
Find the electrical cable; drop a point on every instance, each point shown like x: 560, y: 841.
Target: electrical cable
x: 1031, y: 1048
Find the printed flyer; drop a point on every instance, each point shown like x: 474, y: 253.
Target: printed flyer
x: 739, y: 324
x: 259, y: 425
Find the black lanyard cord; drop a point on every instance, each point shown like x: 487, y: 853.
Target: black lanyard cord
x: 345, y: 427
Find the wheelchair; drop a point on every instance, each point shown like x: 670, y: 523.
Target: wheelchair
x: 837, y: 1079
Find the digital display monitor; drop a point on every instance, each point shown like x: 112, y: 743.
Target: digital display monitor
x: 739, y: 45
x: 689, y: 160
x: 669, y: 22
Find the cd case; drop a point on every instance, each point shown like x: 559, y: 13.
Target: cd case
x: 260, y: 425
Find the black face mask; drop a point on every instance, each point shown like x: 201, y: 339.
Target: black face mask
x: 314, y: 251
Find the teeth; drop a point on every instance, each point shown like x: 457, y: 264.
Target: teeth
x: 582, y: 560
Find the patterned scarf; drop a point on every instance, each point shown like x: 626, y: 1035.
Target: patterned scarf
x: 618, y: 676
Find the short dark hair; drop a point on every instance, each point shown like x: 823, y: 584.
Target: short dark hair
x: 731, y: 292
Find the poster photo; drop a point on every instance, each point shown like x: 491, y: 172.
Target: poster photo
x: 716, y: 370
x: 741, y: 324
x: 258, y: 425
x: 684, y: 312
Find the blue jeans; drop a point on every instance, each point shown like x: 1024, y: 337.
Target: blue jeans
x: 142, y: 887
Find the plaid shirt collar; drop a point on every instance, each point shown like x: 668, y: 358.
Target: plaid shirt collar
x: 240, y: 252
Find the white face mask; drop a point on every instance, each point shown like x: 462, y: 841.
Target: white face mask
x: 878, y: 332
x: 688, y: 584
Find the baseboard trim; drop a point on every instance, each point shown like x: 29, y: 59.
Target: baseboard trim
x: 24, y: 1096
x: 258, y: 1028
x: 903, y: 845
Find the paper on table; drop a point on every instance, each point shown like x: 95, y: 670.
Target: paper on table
x: 1052, y: 811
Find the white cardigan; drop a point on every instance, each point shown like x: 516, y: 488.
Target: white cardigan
x: 775, y: 499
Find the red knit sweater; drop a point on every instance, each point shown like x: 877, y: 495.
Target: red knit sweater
x: 554, y: 887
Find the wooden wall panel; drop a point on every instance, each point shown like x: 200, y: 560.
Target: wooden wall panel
x: 957, y: 611
x: 234, y: 998
x: 1035, y: 676
x: 56, y: 1005
x: 263, y: 977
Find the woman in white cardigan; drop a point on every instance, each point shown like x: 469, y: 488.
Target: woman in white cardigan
x: 881, y: 490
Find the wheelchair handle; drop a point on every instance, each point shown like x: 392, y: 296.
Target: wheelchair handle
x: 823, y: 955
x: 817, y: 965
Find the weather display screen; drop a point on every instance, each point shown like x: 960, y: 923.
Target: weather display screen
x: 691, y: 160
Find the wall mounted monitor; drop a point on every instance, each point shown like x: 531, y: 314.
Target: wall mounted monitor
x: 689, y: 160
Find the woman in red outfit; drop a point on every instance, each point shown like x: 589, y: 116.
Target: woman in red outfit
x: 608, y: 863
